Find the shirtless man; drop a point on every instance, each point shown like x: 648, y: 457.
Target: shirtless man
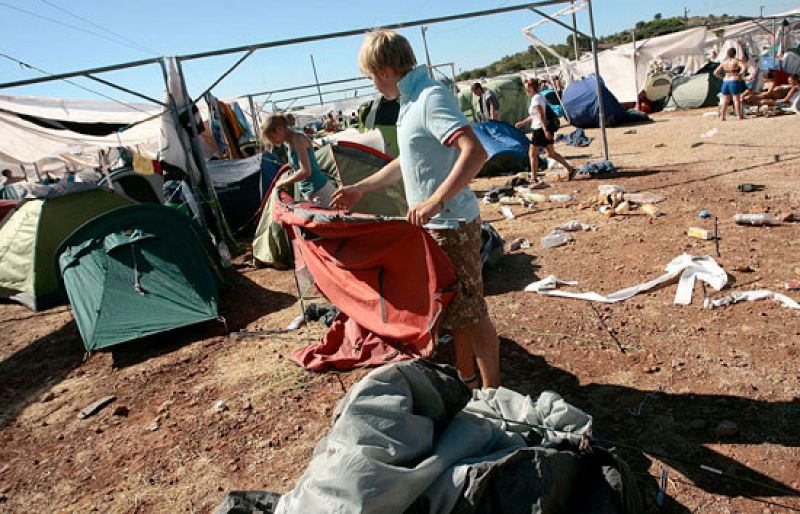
x: 732, y: 83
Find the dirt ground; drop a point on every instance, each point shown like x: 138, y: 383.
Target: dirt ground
x: 656, y: 376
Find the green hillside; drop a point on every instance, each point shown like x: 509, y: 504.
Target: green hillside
x: 644, y: 29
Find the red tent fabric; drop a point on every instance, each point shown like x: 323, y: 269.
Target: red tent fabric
x: 389, y: 279
x: 6, y: 206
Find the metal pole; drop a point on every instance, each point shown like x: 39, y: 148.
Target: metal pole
x: 316, y: 79
x: 774, y: 36
x: 424, y: 29
x: 635, y: 76
x: 598, y: 80
x: 574, y: 30
x: 254, y: 115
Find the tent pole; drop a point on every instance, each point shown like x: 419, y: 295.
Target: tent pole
x: 222, y: 77
x: 206, y: 184
x: 635, y: 71
x: 254, y: 116
x: 598, y: 80
x: 316, y: 78
x: 424, y: 29
x: 574, y: 30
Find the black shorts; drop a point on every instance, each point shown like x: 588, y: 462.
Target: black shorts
x: 539, y: 139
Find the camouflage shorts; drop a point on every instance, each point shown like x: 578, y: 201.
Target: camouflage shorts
x: 463, y: 247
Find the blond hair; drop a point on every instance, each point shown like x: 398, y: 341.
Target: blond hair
x: 386, y: 49
x: 272, y: 122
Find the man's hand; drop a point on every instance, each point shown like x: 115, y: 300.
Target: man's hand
x: 346, y: 197
x: 421, y: 213
x: 548, y: 135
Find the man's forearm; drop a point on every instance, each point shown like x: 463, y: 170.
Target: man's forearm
x: 466, y: 168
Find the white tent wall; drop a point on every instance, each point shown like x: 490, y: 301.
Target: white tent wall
x: 617, y: 64
x: 22, y: 141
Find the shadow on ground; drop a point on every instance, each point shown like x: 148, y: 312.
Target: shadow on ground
x: 512, y: 273
x: 667, y: 425
x: 36, y: 368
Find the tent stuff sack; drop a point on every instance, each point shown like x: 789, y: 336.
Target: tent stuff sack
x: 583, y: 108
x: 409, y: 437
x: 241, y: 185
x: 389, y: 279
x: 506, y: 148
x: 137, y: 271
x: 31, y: 235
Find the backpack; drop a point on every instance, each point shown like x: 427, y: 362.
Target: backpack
x: 551, y: 120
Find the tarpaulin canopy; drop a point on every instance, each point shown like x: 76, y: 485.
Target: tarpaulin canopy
x: 33, y: 128
x: 390, y: 280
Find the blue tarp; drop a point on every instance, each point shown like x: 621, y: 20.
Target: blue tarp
x: 583, y: 109
x: 506, y: 147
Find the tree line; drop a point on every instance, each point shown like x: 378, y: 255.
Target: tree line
x: 530, y: 58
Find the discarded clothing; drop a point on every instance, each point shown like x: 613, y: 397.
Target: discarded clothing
x: 596, y: 169
x: 688, y: 268
x: 324, y: 313
x: 495, y: 192
x: 751, y: 296
x: 408, y: 438
x: 575, y: 138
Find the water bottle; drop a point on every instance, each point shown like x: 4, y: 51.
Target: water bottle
x: 555, y: 239
x: 755, y: 219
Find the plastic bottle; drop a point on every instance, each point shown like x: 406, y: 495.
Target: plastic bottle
x: 756, y: 219
x: 534, y: 197
x: 559, y: 198
x: 555, y: 239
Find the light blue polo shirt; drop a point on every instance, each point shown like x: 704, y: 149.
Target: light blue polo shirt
x: 429, y: 115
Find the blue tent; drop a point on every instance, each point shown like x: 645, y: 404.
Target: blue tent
x: 506, y: 147
x: 583, y: 109
x: 240, y: 185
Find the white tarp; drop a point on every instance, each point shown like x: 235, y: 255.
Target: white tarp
x: 688, y: 268
x: 617, y: 64
x: 22, y: 141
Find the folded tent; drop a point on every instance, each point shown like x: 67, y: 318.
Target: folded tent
x: 32, y: 233
x: 137, y: 271
x: 506, y: 148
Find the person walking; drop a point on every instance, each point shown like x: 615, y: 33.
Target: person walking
x: 543, y: 133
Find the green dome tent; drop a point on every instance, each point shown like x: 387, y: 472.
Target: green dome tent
x: 696, y: 91
x: 137, y: 271
x: 511, y: 94
x: 30, y: 236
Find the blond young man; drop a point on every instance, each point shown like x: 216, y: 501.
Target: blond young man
x: 439, y: 156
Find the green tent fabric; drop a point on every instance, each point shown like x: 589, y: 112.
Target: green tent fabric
x: 30, y: 237
x: 270, y: 241
x: 344, y: 163
x: 137, y: 271
x: 511, y: 94
x: 348, y: 163
x: 696, y: 91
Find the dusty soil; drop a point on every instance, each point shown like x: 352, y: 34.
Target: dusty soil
x: 656, y: 376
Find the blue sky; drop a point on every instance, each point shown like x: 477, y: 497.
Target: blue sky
x: 102, y: 33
